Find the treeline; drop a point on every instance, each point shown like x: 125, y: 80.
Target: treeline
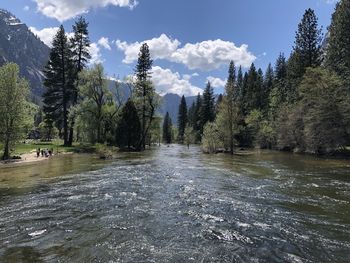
x: 78, y: 104
x: 300, y: 104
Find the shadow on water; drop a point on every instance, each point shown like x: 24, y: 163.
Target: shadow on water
x: 173, y: 204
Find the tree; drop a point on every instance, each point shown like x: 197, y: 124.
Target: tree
x: 267, y: 88
x: 211, y: 141
x: 58, y: 82
x: 79, y: 46
x: 207, y: 112
x: 338, y: 49
x: 189, y: 136
x: 94, y: 89
x: 129, y: 130
x: 167, y: 129
x: 182, y: 119
x: 319, y: 122
x: 197, y: 118
x: 227, y: 110
x: 326, y: 116
x: 144, y: 93
x: 13, y: 93
x: 307, y: 48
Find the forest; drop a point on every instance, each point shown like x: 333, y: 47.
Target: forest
x: 300, y: 103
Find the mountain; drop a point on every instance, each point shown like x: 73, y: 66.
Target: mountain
x: 171, y: 104
x: 18, y: 44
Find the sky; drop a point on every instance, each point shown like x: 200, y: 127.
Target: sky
x: 191, y: 41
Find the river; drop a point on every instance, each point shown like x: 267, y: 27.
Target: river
x: 174, y: 204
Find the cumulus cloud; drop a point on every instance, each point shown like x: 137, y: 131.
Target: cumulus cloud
x: 211, y: 54
x: 66, y: 9
x: 46, y: 34
x: 104, y: 42
x: 216, y: 82
x: 207, y: 55
x: 95, y: 53
x: 160, y: 48
x: 167, y: 81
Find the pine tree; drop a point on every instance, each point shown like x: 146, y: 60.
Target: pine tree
x: 79, y: 46
x: 239, y: 85
x: 144, y: 92
x: 182, y: 119
x: 167, y: 129
x: 129, y: 129
x: 338, y: 50
x: 268, y: 86
x: 58, y: 82
x: 228, y: 107
x: 197, y: 118
x: 307, y: 49
x: 251, y: 92
x: 208, y: 106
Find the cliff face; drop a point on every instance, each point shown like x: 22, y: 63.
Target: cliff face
x: 19, y: 45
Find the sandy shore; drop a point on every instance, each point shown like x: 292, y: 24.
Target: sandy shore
x: 30, y: 158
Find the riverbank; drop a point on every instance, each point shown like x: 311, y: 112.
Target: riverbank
x: 26, y: 152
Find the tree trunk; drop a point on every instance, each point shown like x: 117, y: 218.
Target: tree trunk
x: 6, y: 155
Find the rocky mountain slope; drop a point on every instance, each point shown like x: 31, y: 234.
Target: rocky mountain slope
x: 18, y: 44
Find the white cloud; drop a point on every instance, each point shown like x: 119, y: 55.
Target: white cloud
x: 26, y: 8
x: 66, y: 9
x: 211, y: 54
x: 188, y: 77
x: 216, y: 82
x: 104, y: 42
x: 160, y: 48
x: 46, y: 34
x: 167, y: 81
x: 206, y: 55
x: 95, y: 53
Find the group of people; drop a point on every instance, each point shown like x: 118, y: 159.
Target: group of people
x: 44, y: 152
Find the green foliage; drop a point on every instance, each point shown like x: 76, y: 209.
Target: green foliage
x: 189, y: 136
x: 144, y: 93
x: 319, y: 122
x: 167, y: 129
x: 211, y: 140
x: 182, y: 119
x: 13, y: 106
x: 129, y: 132
x: 207, y: 110
x: 338, y: 49
x: 59, y: 82
x: 97, y: 105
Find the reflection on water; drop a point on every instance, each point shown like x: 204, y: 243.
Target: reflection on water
x: 176, y: 205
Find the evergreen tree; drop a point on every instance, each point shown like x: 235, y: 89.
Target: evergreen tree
x: 208, y: 106
x: 251, y: 90
x: 144, y: 92
x: 79, y: 46
x: 197, y: 118
x: 307, y: 49
x: 338, y: 50
x: 268, y: 86
x: 182, y: 119
x: 167, y: 129
x: 129, y: 128
x: 58, y: 82
x: 239, y: 85
x: 191, y: 114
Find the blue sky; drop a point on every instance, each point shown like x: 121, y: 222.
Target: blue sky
x: 191, y: 40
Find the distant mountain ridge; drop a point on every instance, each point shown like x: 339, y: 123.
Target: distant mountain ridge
x: 18, y: 44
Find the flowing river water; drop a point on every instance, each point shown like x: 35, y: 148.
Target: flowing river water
x: 174, y: 204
